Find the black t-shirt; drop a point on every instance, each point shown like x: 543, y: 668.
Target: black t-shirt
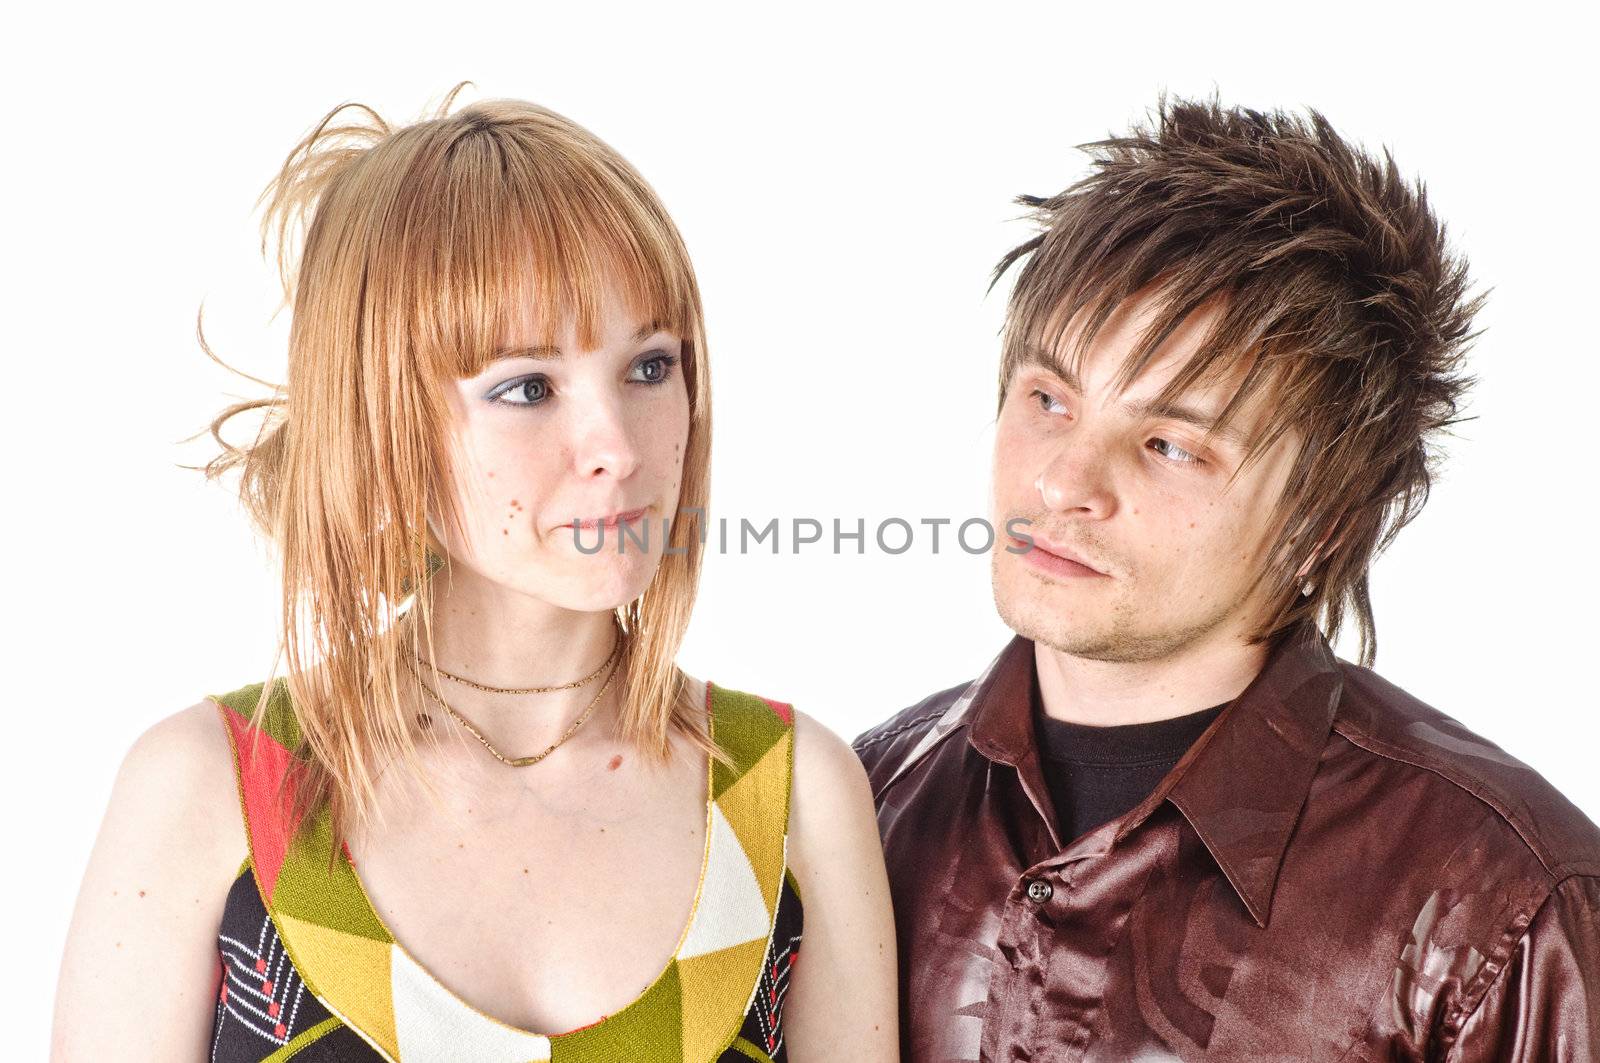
x: 1095, y: 774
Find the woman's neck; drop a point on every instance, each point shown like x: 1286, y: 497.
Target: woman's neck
x: 498, y: 637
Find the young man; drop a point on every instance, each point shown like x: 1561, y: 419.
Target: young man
x: 1167, y: 822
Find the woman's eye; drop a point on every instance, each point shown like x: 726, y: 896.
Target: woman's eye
x: 1176, y: 453
x: 1048, y: 402
x: 533, y: 390
x: 657, y: 368
x: 528, y: 391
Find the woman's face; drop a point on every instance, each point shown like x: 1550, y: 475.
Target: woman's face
x: 546, y: 436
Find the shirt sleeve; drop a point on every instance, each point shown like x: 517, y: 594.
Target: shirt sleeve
x: 1544, y: 1006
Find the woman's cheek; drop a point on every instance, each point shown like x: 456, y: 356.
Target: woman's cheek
x: 514, y: 517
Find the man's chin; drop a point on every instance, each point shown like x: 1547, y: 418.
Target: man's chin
x: 1034, y: 620
x: 1095, y: 634
x: 1109, y: 635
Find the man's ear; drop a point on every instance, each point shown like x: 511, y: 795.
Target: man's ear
x: 1322, y: 550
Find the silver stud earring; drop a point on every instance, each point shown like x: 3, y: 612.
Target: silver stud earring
x: 1306, y: 588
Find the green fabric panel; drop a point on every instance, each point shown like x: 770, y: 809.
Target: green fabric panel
x: 302, y: 1039
x: 279, y: 722
x: 307, y: 889
x: 744, y: 726
x: 650, y: 1030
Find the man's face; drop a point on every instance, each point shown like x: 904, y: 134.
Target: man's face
x: 1131, y: 492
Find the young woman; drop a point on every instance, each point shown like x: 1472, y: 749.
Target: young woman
x: 482, y: 814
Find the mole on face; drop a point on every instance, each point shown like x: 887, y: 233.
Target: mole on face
x: 616, y: 762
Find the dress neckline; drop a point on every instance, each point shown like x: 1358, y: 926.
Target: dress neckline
x: 349, y: 961
x: 666, y: 967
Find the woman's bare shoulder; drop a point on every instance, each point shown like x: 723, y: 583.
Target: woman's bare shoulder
x: 178, y: 775
x: 170, y: 845
x: 832, y: 810
x: 824, y: 758
x: 843, y: 1003
x: 193, y: 739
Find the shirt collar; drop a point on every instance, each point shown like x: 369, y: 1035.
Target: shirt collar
x: 1241, y: 785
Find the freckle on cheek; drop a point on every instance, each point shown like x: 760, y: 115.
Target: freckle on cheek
x: 616, y: 762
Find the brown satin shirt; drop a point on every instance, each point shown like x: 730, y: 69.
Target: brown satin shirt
x: 1333, y: 871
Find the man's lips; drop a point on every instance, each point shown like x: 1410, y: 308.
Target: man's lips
x: 1059, y: 557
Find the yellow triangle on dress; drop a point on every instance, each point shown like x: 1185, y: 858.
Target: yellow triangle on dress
x: 707, y: 982
x: 753, y: 807
x: 349, y: 973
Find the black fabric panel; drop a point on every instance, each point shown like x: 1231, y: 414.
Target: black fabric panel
x: 763, y: 1023
x: 263, y: 1003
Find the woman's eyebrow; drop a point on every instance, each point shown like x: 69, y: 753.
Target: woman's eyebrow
x: 526, y: 352
x: 545, y: 353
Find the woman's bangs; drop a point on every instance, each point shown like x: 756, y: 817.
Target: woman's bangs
x: 531, y: 260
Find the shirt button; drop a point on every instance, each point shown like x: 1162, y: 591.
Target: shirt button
x: 1039, y: 891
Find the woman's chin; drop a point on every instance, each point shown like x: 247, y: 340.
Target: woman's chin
x: 613, y: 582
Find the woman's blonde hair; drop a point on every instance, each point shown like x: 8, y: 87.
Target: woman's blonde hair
x: 420, y: 248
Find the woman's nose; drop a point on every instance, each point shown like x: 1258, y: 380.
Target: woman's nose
x: 603, y: 442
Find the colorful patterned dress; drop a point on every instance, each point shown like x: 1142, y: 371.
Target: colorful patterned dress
x: 309, y: 972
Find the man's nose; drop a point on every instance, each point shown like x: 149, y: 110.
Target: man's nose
x: 1076, y: 478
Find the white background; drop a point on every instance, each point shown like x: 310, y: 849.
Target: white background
x: 843, y: 178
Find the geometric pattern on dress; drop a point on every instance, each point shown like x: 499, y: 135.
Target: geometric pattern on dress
x: 761, y: 1037
x: 718, y: 998
x: 263, y: 1005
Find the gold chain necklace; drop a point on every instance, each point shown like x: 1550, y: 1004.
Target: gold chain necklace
x: 515, y: 762
x: 522, y: 762
x: 531, y: 690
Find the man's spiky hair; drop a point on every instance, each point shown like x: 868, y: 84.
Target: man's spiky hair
x: 1335, y: 290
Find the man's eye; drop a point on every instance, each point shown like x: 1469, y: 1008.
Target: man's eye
x: 1048, y: 402
x: 1175, y: 453
x: 527, y: 391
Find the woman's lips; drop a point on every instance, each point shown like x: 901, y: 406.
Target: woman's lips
x: 612, y: 521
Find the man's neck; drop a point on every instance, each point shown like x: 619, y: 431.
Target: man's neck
x: 1201, y: 674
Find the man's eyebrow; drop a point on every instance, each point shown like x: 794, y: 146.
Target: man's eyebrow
x: 1166, y: 411
x: 1188, y: 415
x: 544, y: 353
